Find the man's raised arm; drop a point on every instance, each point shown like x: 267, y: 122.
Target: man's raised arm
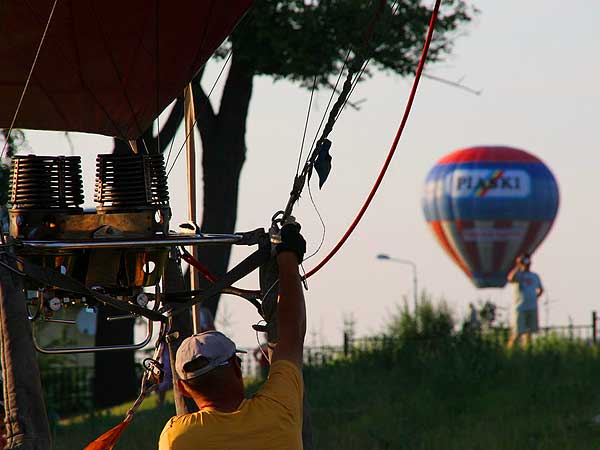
x: 512, y: 275
x: 291, y: 310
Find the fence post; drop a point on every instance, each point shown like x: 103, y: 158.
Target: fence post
x: 570, y: 331
x: 594, y: 327
x: 346, y: 343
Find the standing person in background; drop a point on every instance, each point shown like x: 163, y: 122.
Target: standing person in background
x: 528, y: 288
x: 473, y: 325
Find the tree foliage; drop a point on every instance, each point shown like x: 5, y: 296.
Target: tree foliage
x: 307, y: 42
x: 298, y: 40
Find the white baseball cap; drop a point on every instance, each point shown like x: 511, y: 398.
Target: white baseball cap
x: 213, y: 347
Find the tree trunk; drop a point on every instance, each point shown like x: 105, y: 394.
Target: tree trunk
x: 115, y: 380
x: 223, y: 155
x: 26, y: 420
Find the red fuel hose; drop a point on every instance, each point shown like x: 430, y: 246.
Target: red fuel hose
x: 390, y: 155
x: 384, y: 169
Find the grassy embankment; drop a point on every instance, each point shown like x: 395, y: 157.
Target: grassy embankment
x: 429, y: 389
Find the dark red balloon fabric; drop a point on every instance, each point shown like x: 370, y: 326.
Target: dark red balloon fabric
x: 106, y: 66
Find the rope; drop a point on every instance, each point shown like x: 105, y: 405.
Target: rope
x: 312, y: 92
x: 37, y: 54
x: 149, y: 383
x: 353, y: 68
x: 108, y: 440
x: 157, y: 75
x: 138, y: 402
x: 393, y: 147
x: 392, y: 150
x: 193, y: 127
x: 241, y: 26
x: 333, y: 91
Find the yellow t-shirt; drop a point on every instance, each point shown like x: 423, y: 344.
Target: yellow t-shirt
x: 271, y: 420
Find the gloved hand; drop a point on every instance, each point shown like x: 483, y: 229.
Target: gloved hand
x: 292, y: 241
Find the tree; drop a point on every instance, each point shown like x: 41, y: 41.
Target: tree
x: 305, y: 42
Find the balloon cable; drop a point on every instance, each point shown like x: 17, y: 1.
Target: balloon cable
x: 35, y: 59
x: 393, y: 147
x: 392, y: 150
x: 193, y: 127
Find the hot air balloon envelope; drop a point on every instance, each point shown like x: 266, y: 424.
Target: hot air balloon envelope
x: 105, y: 67
x: 487, y: 205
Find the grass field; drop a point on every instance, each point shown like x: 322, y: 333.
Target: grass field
x: 446, y: 392
x: 425, y: 387
x: 460, y: 394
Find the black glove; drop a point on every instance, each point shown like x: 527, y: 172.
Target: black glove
x: 292, y: 241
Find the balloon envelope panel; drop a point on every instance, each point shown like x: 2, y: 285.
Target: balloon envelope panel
x: 487, y: 205
x: 106, y: 67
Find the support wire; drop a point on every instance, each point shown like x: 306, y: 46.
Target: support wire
x: 35, y: 59
x: 393, y: 147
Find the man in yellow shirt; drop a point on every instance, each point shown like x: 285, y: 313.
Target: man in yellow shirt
x: 210, y: 373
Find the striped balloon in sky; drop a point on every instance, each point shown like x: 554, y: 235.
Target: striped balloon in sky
x: 487, y: 205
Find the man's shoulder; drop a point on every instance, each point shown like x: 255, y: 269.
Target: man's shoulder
x: 533, y: 275
x: 180, y: 424
x: 182, y: 420
x: 178, y: 428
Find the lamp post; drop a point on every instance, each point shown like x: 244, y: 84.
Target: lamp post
x: 386, y: 257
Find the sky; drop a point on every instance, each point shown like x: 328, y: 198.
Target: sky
x: 537, y: 64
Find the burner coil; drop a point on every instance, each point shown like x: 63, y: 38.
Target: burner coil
x: 46, y: 183
x: 130, y: 183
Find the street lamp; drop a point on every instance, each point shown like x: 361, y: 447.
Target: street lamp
x: 408, y: 262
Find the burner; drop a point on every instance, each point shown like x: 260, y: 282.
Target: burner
x: 130, y: 183
x: 46, y: 183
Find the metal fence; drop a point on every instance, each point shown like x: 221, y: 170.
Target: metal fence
x: 69, y: 389
x: 588, y: 333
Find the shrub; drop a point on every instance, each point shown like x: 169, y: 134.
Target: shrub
x: 429, y: 321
